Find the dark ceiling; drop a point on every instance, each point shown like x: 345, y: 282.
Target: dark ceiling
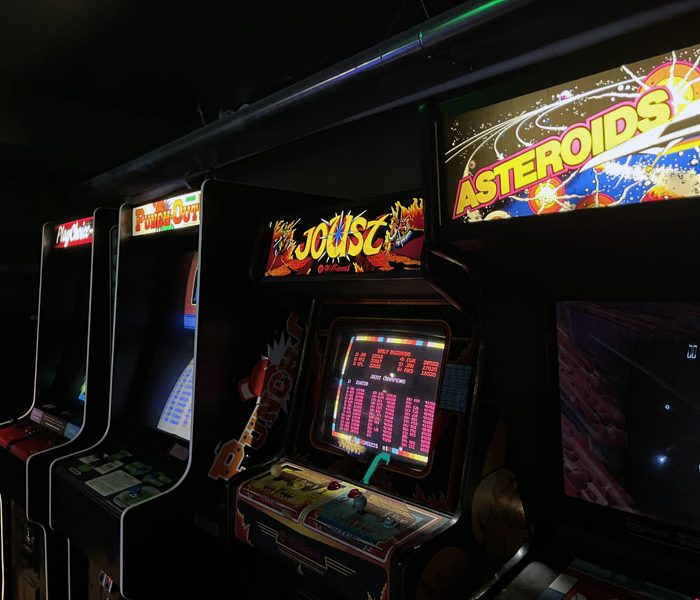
x: 86, y: 85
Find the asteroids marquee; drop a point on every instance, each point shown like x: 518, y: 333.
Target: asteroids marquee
x: 624, y: 136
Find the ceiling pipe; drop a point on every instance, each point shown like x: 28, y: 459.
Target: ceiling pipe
x: 418, y: 39
x: 585, y: 39
x: 192, y: 153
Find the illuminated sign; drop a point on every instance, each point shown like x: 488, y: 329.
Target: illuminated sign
x: 386, y: 237
x: 74, y: 233
x: 165, y: 215
x: 625, y: 136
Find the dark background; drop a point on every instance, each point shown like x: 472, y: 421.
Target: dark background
x: 88, y: 86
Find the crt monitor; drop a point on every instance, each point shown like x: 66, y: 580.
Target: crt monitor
x: 629, y: 389
x: 381, y: 392
x: 176, y: 414
x: 63, y: 327
x: 76, y: 393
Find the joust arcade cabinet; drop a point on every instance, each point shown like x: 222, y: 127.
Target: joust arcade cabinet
x: 366, y: 500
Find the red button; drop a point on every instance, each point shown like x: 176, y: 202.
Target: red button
x: 333, y: 485
x: 354, y: 492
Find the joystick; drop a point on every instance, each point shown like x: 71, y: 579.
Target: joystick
x: 359, y: 502
x: 276, y: 470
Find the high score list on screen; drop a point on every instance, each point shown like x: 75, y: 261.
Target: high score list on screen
x: 386, y: 395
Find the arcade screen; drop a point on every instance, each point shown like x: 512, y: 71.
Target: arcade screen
x: 177, y: 412
x: 629, y: 387
x: 77, y: 391
x: 63, y: 327
x: 82, y: 394
x: 163, y: 384
x: 382, y: 392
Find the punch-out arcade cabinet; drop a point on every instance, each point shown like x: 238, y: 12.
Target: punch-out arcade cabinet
x: 367, y: 494
x: 71, y: 378
x: 591, y: 317
x: 146, y: 448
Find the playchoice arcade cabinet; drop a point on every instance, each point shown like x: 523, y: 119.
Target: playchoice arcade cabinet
x: 146, y: 449
x: 371, y: 481
x: 71, y: 381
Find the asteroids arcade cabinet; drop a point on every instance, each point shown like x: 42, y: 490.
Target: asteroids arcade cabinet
x: 370, y: 485
x: 145, y: 451
x: 593, y: 316
x: 71, y: 380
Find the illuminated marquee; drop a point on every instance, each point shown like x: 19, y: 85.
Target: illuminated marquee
x: 386, y: 237
x: 74, y: 233
x: 625, y: 136
x: 165, y: 215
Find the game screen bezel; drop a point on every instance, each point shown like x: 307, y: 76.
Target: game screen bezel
x: 170, y: 406
x: 656, y: 519
x: 339, y: 339
x: 63, y: 327
x: 168, y: 346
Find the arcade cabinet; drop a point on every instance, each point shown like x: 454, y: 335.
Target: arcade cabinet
x: 366, y: 499
x: 154, y: 484
x: 72, y: 364
x: 145, y: 450
x: 590, y: 318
